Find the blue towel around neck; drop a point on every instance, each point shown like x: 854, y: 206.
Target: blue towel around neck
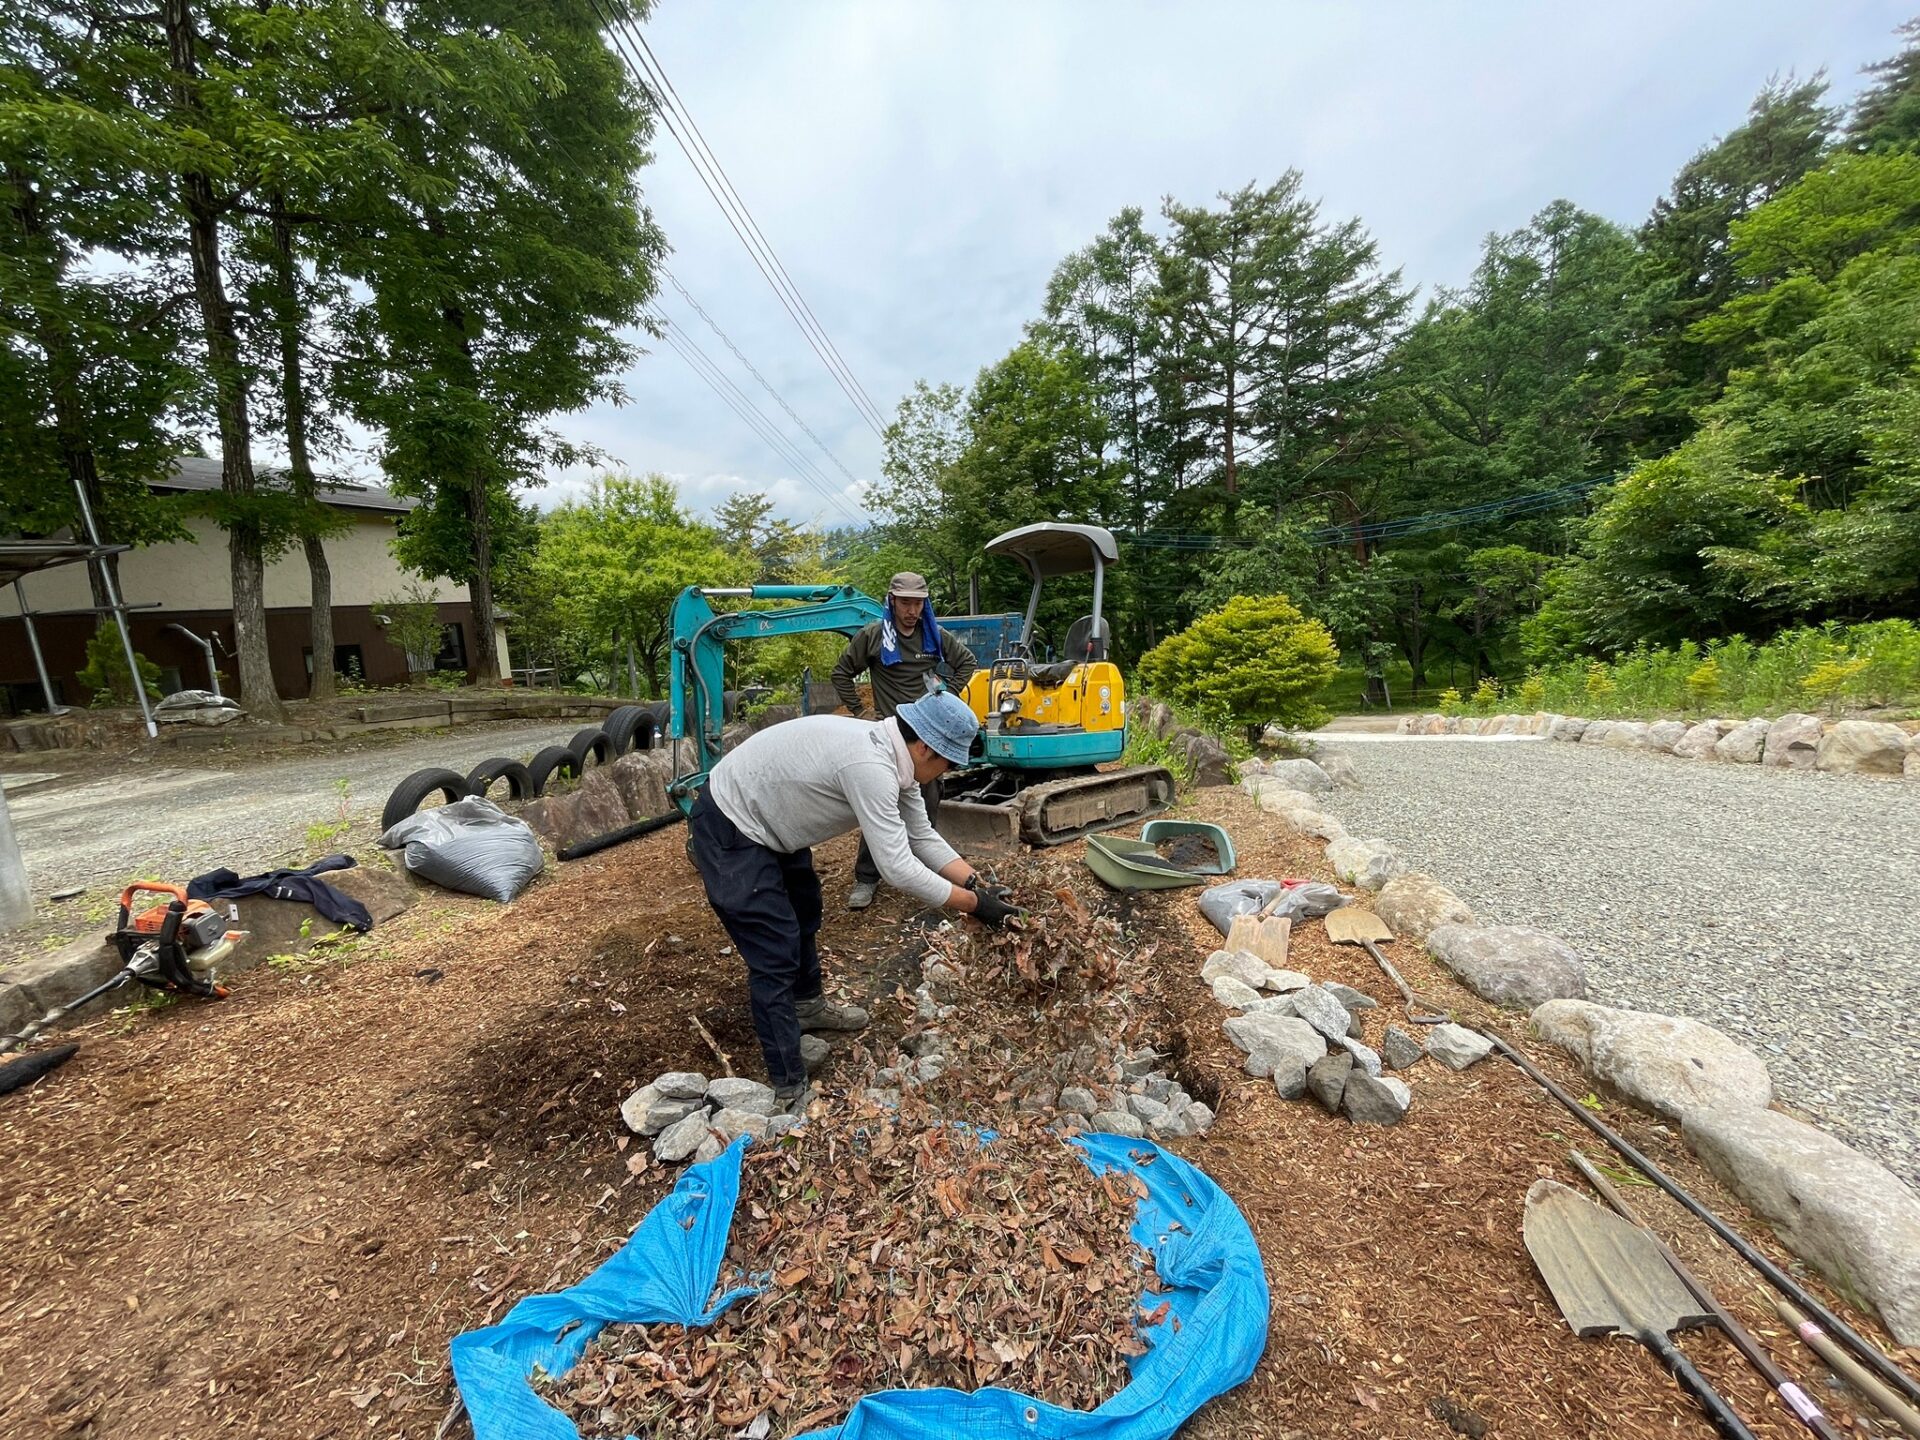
x: 890, y: 638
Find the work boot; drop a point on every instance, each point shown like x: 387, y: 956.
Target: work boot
x: 861, y: 896
x: 792, y: 1099
x: 823, y: 1014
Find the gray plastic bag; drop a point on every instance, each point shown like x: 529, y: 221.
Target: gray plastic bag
x: 472, y: 846
x: 1304, y: 900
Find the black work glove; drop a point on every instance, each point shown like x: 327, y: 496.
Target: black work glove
x: 992, y: 909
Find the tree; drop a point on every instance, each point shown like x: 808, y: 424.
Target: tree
x: 1886, y: 115
x: 750, y: 529
x: 1254, y: 662
x: 499, y: 288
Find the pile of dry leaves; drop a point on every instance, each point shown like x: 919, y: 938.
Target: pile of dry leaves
x: 899, y: 1251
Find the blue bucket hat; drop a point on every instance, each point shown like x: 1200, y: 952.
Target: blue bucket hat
x: 944, y: 722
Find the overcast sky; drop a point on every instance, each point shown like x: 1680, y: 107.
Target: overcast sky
x: 921, y: 167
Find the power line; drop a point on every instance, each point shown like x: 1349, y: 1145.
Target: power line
x: 702, y: 365
x: 644, y: 68
x: 765, y: 385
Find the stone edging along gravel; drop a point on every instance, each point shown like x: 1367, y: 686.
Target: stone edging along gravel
x: 1843, y: 1212
x: 1795, y: 741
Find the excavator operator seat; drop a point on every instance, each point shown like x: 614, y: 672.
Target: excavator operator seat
x: 1085, y: 632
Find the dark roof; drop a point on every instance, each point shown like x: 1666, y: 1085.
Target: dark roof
x: 196, y: 472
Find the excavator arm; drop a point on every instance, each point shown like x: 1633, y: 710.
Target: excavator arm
x: 700, y: 637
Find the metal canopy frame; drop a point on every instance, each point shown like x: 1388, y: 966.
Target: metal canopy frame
x: 1056, y: 548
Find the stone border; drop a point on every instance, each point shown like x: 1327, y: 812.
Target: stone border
x: 1841, y: 1211
x: 1794, y: 741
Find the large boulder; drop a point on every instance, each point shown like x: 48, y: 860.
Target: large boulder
x: 1626, y: 735
x: 1793, y: 742
x: 1744, y: 743
x: 1366, y: 863
x: 641, y: 778
x: 1276, y: 797
x: 1207, y: 757
x: 1596, y: 732
x: 1339, y: 768
x: 1567, y: 727
x: 1664, y: 735
x: 1664, y: 1063
x: 1863, y: 747
x: 1512, y: 965
x: 1413, y: 905
x: 1848, y: 1215
x: 1301, y: 775
x: 592, y: 808
x: 1314, y: 823
x: 1698, y: 742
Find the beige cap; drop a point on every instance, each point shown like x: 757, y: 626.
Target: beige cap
x: 912, y: 586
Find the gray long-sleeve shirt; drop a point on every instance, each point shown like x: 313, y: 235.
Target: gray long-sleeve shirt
x: 895, y: 685
x: 803, y: 781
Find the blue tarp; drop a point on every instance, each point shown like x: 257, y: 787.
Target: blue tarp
x: 1202, y: 1249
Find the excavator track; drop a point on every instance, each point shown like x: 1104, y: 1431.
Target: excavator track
x: 1052, y: 812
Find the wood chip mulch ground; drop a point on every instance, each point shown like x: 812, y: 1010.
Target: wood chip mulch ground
x: 268, y: 1216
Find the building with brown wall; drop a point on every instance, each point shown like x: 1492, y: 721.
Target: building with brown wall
x: 187, y: 584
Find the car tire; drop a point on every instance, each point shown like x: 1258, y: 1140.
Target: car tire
x: 412, y: 792
x: 591, y: 745
x: 482, y: 777
x: 540, y: 769
x: 629, y: 728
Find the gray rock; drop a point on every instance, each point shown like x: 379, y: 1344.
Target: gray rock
x: 1354, y: 1000
x: 1078, y: 1100
x: 1160, y: 1087
x: 1664, y: 735
x: 1568, y: 727
x: 1199, y: 1118
x: 680, y: 1085
x: 1264, y: 1032
x: 1322, y: 1010
x: 1793, y: 743
x: 1369, y: 1100
x: 734, y: 1123
x: 1118, y: 1122
x: 1150, y: 1112
x: 1511, y: 965
x: 1745, y: 743
x: 1663, y: 1063
x: 1400, y: 1089
x: 1234, y: 994
x: 778, y: 1125
x: 1289, y: 1077
x: 814, y: 1052
x: 929, y: 1068
x: 637, y: 1106
x: 1863, y: 747
x: 1457, y: 1047
x: 1625, y: 735
x: 1363, y: 1055
x: 681, y: 1139
x: 708, y: 1149
x: 1414, y: 905
x: 1596, y: 732
x: 1278, y: 798
x: 1285, y: 981
x: 1339, y: 768
x: 1399, y: 1049
x: 1314, y: 823
x: 1698, y: 742
x: 1300, y: 775
x: 1368, y: 864
x: 938, y: 972
x: 1327, y: 1079
x: 737, y: 1093
x: 1242, y: 965
x: 1142, y: 1063
x: 1848, y: 1215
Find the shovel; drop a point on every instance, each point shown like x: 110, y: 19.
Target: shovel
x: 1263, y: 936
x: 1351, y: 925
x: 1608, y: 1276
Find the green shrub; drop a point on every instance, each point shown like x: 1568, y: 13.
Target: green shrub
x: 1703, y: 684
x: 1251, y: 663
x: 105, y: 672
x: 1532, y: 693
x: 1600, y: 686
x: 1450, y: 701
x: 1486, y: 696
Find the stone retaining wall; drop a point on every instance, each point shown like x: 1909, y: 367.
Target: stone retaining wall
x: 1794, y: 741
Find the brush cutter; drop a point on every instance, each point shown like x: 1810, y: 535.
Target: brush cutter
x: 172, y: 946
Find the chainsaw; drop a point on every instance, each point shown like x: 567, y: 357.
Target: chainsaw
x: 173, y: 946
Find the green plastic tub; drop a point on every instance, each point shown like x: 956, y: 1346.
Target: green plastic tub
x: 1156, y: 831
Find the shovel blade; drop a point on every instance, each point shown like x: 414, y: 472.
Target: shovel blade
x: 1606, y: 1273
x: 1350, y: 924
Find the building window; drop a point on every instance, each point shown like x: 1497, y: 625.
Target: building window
x: 453, y: 648
x: 348, y: 663
x: 25, y: 697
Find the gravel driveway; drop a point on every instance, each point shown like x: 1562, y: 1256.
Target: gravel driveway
x: 1783, y: 907
x: 179, y: 817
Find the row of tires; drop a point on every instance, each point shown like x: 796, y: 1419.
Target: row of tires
x: 629, y: 728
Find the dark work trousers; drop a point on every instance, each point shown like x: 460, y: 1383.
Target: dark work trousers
x: 770, y: 904
x: 865, y: 872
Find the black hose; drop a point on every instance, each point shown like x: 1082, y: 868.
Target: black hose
x: 26, y: 1069
x: 593, y: 844
x: 1772, y: 1273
